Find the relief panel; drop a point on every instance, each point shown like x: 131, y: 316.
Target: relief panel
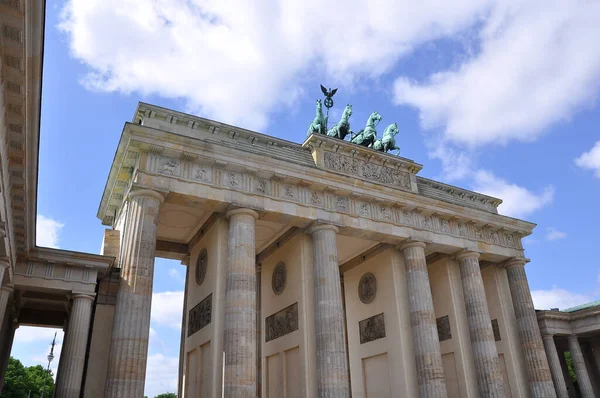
x: 200, y: 315
x: 369, y: 171
x: 372, y: 328
x: 281, y: 323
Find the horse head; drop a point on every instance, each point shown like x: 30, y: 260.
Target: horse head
x: 319, y: 107
x: 374, y: 117
x: 347, y: 111
x: 392, y: 129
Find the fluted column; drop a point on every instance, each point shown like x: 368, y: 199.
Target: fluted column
x: 483, y: 345
x: 131, y: 329
x: 583, y: 378
x: 555, y: 367
x: 5, y: 292
x: 72, y: 359
x: 332, y: 361
x: 240, y: 306
x: 4, y: 265
x: 538, y: 370
x: 426, y: 344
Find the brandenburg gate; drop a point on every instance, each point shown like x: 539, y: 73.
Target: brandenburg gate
x: 323, y: 269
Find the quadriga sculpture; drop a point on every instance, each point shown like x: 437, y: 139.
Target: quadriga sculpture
x: 368, y: 135
x: 342, y: 129
x: 319, y: 124
x: 387, y: 142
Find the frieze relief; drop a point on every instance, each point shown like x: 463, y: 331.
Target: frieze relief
x: 367, y: 170
x: 372, y: 328
x: 380, y: 211
x: 200, y: 315
x: 281, y: 323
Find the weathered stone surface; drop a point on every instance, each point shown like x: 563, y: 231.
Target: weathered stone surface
x: 281, y: 323
x: 240, y: 306
x: 200, y: 315
x: 583, y: 377
x: 483, y: 344
x: 72, y: 360
x: 131, y: 330
x: 332, y: 360
x: 426, y: 346
x: 538, y: 370
x: 372, y: 328
x: 555, y: 368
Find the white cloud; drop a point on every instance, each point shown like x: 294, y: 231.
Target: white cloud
x: 167, y: 308
x: 161, y: 375
x: 176, y: 275
x: 554, y: 234
x: 590, y: 159
x: 47, y: 231
x: 237, y: 60
x: 516, y: 200
x: 538, y: 63
x: 30, y: 334
x: 558, y: 298
x: 456, y: 164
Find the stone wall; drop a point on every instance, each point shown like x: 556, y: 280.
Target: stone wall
x: 383, y: 364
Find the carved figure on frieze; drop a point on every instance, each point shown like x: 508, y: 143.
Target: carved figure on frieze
x: 319, y: 124
x: 342, y: 129
x: 387, y: 142
x: 367, y: 136
x: 372, y: 328
x: 170, y: 167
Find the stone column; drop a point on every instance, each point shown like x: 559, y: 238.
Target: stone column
x: 426, y: 343
x: 538, y: 370
x: 4, y: 265
x: 596, y: 351
x: 583, y: 378
x: 131, y: 329
x: 7, y: 348
x: 332, y: 361
x: 5, y: 292
x: 555, y: 367
x: 240, y: 306
x: 259, y: 332
x: 72, y: 358
x: 485, y: 355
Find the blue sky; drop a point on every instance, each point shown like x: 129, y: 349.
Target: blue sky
x: 500, y: 97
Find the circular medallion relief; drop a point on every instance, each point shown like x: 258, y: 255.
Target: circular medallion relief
x: 201, y: 265
x: 367, y: 288
x: 278, y: 279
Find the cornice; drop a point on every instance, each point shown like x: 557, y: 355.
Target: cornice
x: 189, y: 149
x: 79, y: 259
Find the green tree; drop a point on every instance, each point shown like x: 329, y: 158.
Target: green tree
x: 20, y: 380
x: 166, y: 395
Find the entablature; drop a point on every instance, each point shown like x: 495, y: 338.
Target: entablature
x: 371, y: 188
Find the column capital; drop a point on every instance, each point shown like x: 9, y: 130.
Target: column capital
x: 548, y: 336
x: 242, y: 211
x: 4, y: 263
x: 7, y: 288
x: 146, y: 192
x: 412, y: 243
x: 323, y: 227
x: 513, y: 262
x: 85, y: 296
x: 572, y: 337
x: 466, y: 254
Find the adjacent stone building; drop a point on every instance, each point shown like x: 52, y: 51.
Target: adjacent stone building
x: 314, y: 269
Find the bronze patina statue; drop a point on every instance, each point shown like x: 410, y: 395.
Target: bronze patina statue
x: 342, y: 129
x: 368, y: 135
x: 318, y: 125
x: 388, y: 142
